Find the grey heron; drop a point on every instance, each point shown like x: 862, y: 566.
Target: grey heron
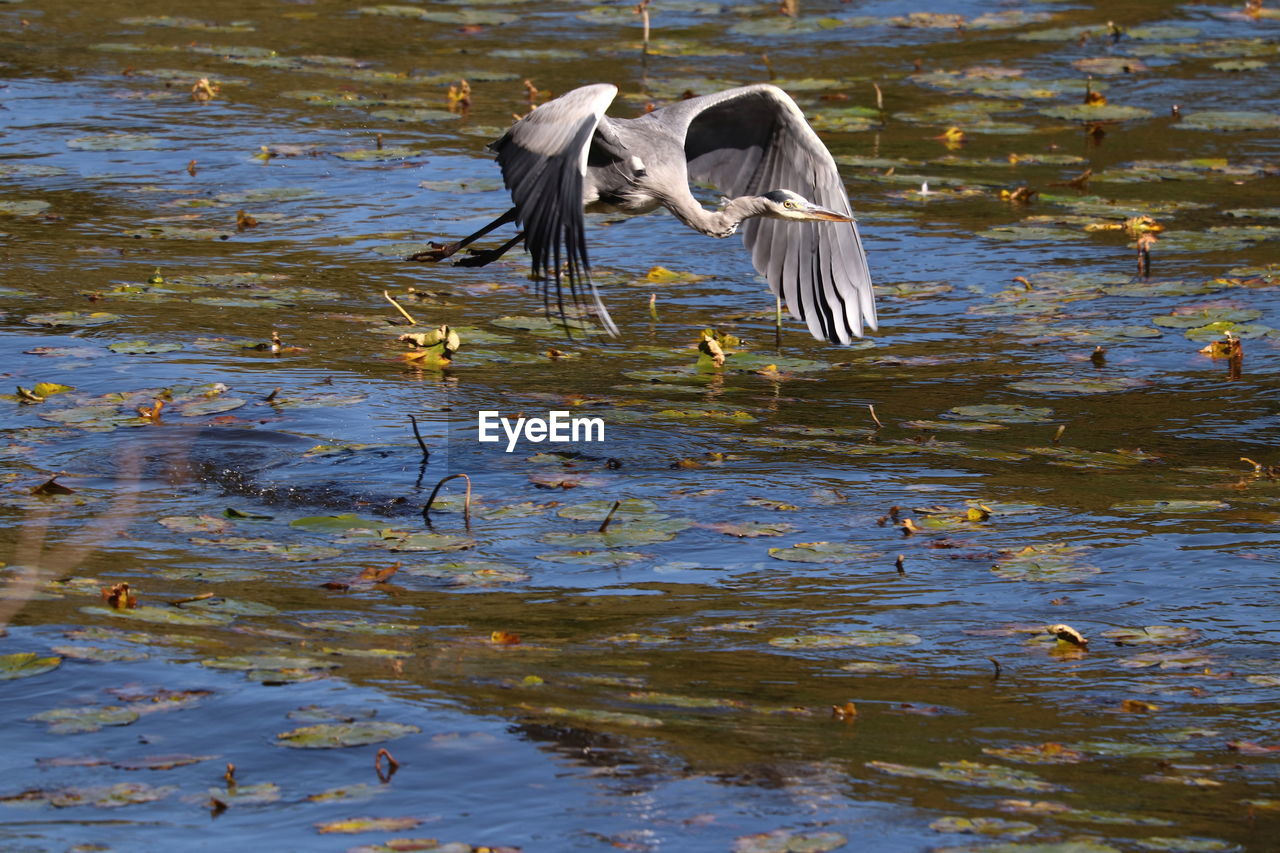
x: 751, y: 143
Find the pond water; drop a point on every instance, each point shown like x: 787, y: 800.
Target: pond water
x: 1031, y: 448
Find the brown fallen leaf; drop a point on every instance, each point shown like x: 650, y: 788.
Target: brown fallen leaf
x: 119, y: 597
x: 51, y: 486
x: 504, y: 638
x: 1067, y: 634
x: 846, y: 712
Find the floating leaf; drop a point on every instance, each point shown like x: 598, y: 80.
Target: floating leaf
x: 822, y: 552
x: 1233, y: 121
x: 26, y: 664
x: 1050, y: 563
x: 785, y: 841
x: 68, y: 721
x: 101, y: 796
x: 1000, y: 413
x: 983, y: 826
x: 1095, y: 112
x: 969, y: 773
x: 847, y: 639
x: 23, y: 207
x: 96, y: 653
x: 353, y: 825
x: 72, y: 318
x: 245, y: 795
x: 751, y: 529
x: 114, y: 142
x: 162, y: 615
x: 334, y: 735
x: 594, y: 558
x: 141, y: 347
x: 1152, y: 634
x: 1041, y: 753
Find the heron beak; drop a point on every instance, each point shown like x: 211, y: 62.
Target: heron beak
x: 823, y: 215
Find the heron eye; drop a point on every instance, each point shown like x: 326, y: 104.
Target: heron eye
x: 790, y: 205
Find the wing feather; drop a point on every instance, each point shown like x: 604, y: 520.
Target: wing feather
x: 754, y: 139
x: 543, y: 158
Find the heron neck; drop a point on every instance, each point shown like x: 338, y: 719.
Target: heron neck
x: 718, y: 223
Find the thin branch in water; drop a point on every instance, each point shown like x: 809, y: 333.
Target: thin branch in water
x: 604, y: 525
x: 400, y: 308
x: 426, y: 454
x: 466, y: 505
x: 996, y: 664
x: 384, y: 776
x: 872, y: 410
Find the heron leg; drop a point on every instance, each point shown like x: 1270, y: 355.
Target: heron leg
x: 439, y: 253
x: 488, y: 256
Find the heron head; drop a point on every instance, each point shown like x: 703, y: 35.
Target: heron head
x: 784, y: 204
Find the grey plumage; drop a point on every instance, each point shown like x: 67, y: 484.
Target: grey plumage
x: 752, y: 143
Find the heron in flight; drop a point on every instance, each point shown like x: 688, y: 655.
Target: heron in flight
x: 751, y: 143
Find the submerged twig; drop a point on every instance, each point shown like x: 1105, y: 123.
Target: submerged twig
x: 384, y: 776
x: 400, y: 308
x: 426, y: 454
x: 604, y: 525
x: 872, y: 410
x: 466, y: 505
x: 996, y: 664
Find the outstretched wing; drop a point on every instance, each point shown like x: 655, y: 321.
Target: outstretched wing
x: 544, y: 159
x: 754, y: 139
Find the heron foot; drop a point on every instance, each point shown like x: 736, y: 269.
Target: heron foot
x: 436, y: 253
x: 480, y: 258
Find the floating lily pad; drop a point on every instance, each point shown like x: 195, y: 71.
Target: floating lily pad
x: 1170, y: 507
x: 23, y: 207
x: 335, y: 735
x: 847, y: 639
x: 822, y: 552
x: 72, y: 318
x: 1051, y: 563
x: 785, y: 841
x: 352, y: 825
x: 970, y: 773
x: 1086, y: 385
x: 26, y: 664
x: 295, y: 553
x: 98, y: 654
x: 69, y: 721
x: 1152, y: 634
x: 1124, y: 749
x: 377, y: 155
x: 161, y: 615
x: 336, y: 523
x: 752, y: 529
x: 594, y: 558
x: 1233, y: 121
x: 245, y: 795
x: 459, y: 17
x: 983, y: 826
x: 1095, y: 112
x: 1001, y: 413
x: 114, y: 142
x: 141, y: 347
x: 628, y: 509
x: 100, y: 796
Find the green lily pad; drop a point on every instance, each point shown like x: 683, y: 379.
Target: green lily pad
x: 1232, y: 121
x: 643, y: 532
x: 69, y: 721
x: 822, y: 552
x: 336, y: 523
x: 1001, y: 413
x: 969, y: 773
x: 955, y: 426
x: 628, y: 509
x: 98, y: 654
x: 983, y: 826
x: 161, y: 615
x: 295, y: 553
x: 594, y: 558
x: 785, y: 841
x: 251, y: 662
x: 847, y: 639
x: 1051, y: 563
x: 141, y: 347
x: 471, y: 573
x: 459, y: 17
x: 100, y: 796
x: 336, y: 735
x: 363, y: 626
x: 1152, y: 634
x: 1095, y: 112
x: 350, y: 793
x: 244, y: 795
x: 72, y: 318
x: 1170, y: 507
x: 379, y: 155
x: 1087, y: 385
x: 114, y: 142
x: 752, y: 529
x: 1122, y: 749
x: 1032, y: 233
x: 195, y: 523
x: 23, y: 207
x: 26, y: 664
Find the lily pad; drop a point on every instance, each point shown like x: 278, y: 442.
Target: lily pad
x: 162, y: 615
x: 69, y: 721
x: 1001, y: 413
x: 969, y: 773
x: 847, y: 639
x: 23, y: 207
x: 1152, y: 634
x: 141, y: 347
x: 72, y: 318
x: 1231, y: 121
x: 1095, y: 112
x: 1170, y: 507
x: 26, y: 664
x: 822, y: 552
x: 785, y: 841
x: 594, y: 558
x: 100, y: 796
x: 114, y: 142
x: 1050, y: 563
x: 336, y: 735
x: 352, y: 825
x: 983, y: 826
